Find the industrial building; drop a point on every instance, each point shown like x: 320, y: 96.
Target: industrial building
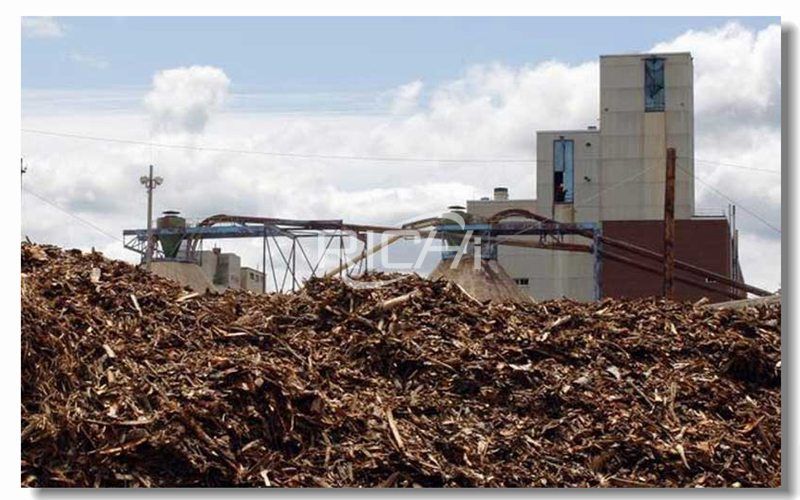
x: 200, y: 270
x: 226, y: 271
x: 597, y: 228
x: 613, y: 176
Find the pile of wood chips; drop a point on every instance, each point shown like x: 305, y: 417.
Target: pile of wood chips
x: 128, y: 380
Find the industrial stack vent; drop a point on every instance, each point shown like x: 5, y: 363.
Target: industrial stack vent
x: 171, y: 243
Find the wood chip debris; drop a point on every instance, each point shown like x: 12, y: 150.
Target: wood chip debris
x: 407, y: 385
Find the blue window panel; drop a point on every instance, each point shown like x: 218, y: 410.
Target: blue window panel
x: 558, y: 153
x: 569, y: 156
x: 654, y: 91
x: 563, y: 170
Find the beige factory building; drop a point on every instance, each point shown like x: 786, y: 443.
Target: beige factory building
x: 613, y: 173
x: 226, y: 271
x: 251, y: 279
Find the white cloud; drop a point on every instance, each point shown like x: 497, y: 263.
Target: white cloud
x: 42, y: 27
x: 762, y: 256
x: 183, y: 99
x: 406, y: 97
x: 737, y: 72
x: 492, y: 110
x: 88, y: 60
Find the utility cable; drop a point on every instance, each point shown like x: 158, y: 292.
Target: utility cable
x: 343, y: 157
x: 281, y: 154
x: 618, y: 184
x: 731, y: 200
x: 754, y: 169
x: 73, y: 215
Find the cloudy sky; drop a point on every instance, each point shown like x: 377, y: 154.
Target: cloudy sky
x: 435, y: 88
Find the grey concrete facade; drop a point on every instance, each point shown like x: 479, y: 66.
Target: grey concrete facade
x: 634, y: 141
x: 226, y: 271
x: 251, y: 279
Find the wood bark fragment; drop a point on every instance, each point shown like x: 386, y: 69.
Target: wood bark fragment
x: 321, y: 388
x: 393, y: 426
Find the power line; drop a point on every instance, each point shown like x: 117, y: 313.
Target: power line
x: 755, y: 169
x: 281, y: 154
x: 731, y: 200
x: 338, y: 157
x: 75, y: 216
x: 618, y: 184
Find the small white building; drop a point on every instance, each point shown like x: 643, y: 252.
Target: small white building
x: 251, y: 279
x: 226, y: 271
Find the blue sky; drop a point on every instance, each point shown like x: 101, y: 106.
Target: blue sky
x: 319, y: 55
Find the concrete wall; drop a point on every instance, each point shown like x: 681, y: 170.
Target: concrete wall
x: 554, y: 274
x: 228, y: 270
x: 208, y: 263
x: 222, y: 268
x: 584, y: 207
x: 551, y: 274
x: 634, y: 142
x: 251, y: 279
x: 487, y: 208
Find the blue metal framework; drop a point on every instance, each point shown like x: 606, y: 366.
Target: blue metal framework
x: 268, y: 229
x: 136, y: 239
x: 486, y: 234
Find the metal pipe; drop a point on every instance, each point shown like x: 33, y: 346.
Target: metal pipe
x: 264, y: 261
x: 148, y: 256
x: 294, y: 260
x: 271, y: 266
x: 655, y: 270
x: 366, y: 253
x: 567, y: 247
x: 362, y: 255
x: 685, y: 266
x: 150, y: 183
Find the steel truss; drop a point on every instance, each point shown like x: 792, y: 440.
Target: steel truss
x: 296, y: 263
x: 283, y: 250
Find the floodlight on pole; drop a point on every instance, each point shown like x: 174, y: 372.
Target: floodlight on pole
x: 150, y: 182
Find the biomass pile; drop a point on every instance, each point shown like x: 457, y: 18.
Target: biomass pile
x: 128, y: 380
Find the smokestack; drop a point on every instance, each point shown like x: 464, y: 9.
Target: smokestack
x: 500, y: 194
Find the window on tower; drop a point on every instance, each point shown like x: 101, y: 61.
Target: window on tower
x: 654, y: 84
x: 563, y: 171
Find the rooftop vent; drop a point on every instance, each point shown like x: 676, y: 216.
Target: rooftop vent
x: 500, y: 194
x: 170, y: 243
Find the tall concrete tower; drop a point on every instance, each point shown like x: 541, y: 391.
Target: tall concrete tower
x: 616, y: 172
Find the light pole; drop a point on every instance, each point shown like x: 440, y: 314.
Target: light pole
x: 150, y: 182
